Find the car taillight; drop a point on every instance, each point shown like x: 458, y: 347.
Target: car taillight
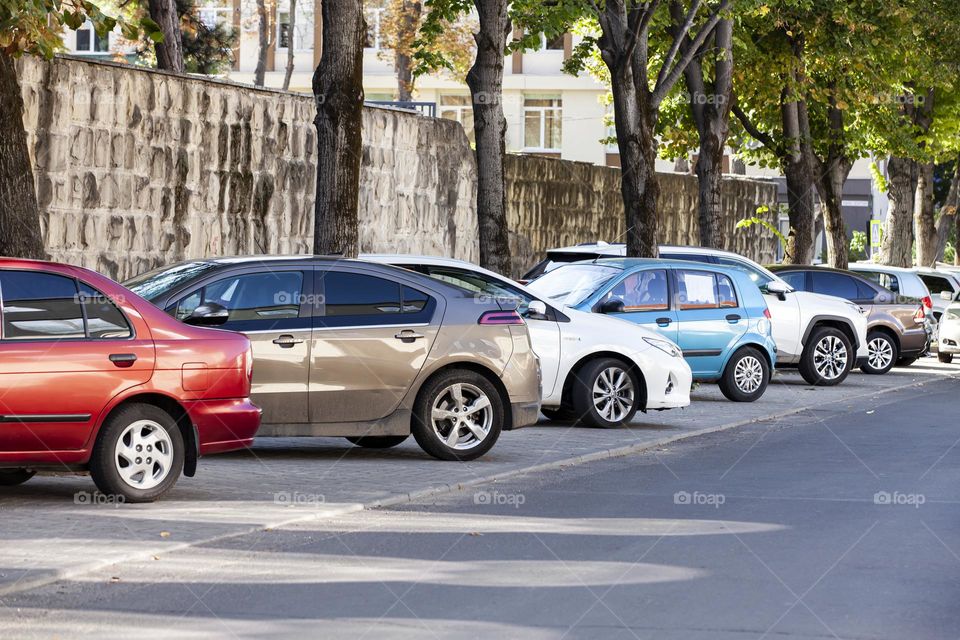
x: 501, y: 317
x: 248, y: 362
x: 767, y: 314
x: 920, y: 317
x: 927, y: 302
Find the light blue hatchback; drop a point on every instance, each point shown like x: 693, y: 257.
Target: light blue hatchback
x: 716, y: 315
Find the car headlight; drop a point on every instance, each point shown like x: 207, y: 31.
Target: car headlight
x: 666, y: 346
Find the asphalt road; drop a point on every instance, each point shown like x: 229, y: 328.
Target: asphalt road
x: 835, y: 522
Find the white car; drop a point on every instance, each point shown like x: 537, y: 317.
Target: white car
x: 595, y: 368
x: 949, y: 344
x: 806, y: 326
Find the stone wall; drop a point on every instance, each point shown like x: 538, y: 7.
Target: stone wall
x: 554, y: 203
x: 137, y: 168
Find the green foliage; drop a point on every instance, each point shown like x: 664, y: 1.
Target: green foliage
x: 879, y: 179
x: 35, y: 27
x: 858, y: 246
x: 746, y: 223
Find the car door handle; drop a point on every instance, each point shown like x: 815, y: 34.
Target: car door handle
x: 733, y: 318
x: 408, y: 336
x: 123, y: 359
x: 286, y: 341
x: 664, y: 322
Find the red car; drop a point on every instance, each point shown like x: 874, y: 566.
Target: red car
x: 93, y: 377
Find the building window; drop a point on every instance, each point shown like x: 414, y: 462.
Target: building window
x: 542, y: 123
x: 89, y: 42
x: 373, y: 17
x: 459, y: 108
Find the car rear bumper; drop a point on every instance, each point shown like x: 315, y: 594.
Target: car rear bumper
x: 914, y: 343
x: 524, y: 414
x: 224, y: 425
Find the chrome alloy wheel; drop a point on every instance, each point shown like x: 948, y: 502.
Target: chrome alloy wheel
x: 880, y: 353
x: 830, y: 358
x: 461, y: 416
x: 613, y: 394
x: 748, y: 374
x: 144, y: 454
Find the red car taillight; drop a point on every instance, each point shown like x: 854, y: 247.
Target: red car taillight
x: 767, y: 314
x: 920, y: 316
x: 501, y: 317
x: 248, y: 362
x: 927, y: 302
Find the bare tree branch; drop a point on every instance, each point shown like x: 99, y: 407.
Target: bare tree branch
x: 758, y: 135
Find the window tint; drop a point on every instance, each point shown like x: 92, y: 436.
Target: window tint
x: 936, y: 284
x: 796, y: 279
x: 642, y: 291
x: 479, y: 283
x: 355, y: 294
x: 267, y: 296
x: 104, y: 319
x: 865, y: 291
x: 40, y: 305
x: 834, y: 284
x: 697, y: 290
x: 726, y: 294
x: 756, y: 274
x: 413, y: 300
x: 882, y: 279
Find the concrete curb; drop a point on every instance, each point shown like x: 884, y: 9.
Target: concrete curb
x: 430, y: 492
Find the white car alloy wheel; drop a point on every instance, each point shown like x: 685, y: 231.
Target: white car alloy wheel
x: 830, y: 357
x: 144, y: 454
x: 880, y: 353
x: 613, y: 394
x: 461, y: 416
x: 748, y: 374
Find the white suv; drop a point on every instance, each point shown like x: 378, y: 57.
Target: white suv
x: 813, y: 332
x: 596, y: 369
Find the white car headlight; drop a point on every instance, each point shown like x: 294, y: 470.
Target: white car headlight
x: 666, y: 346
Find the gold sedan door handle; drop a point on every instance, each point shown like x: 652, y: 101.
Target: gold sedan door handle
x: 408, y: 336
x: 286, y: 341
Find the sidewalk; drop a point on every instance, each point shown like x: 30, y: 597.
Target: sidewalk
x: 46, y: 535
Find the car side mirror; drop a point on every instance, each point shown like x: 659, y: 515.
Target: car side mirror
x: 612, y: 306
x: 209, y: 314
x: 779, y: 289
x: 946, y: 295
x: 537, y: 310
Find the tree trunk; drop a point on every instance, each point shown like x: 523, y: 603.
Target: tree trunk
x: 925, y: 226
x: 832, y: 176
x: 20, y: 235
x: 260, y: 73
x: 291, y: 34
x: 897, y: 246
x: 798, y: 171
x: 710, y: 182
x: 485, y: 80
x: 338, y: 92
x: 170, y: 51
x: 948, y: 213
x: 403, y: 62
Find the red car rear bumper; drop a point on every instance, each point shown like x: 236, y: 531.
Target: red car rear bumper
x: 224, y: 425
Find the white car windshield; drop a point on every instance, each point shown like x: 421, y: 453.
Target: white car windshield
x: 573, y: 283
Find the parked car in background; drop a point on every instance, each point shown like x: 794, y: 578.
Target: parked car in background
x: 939, y: 283
x: 596, y: 369
x: 97, y: 379
x: 895, y: 329
x: 361, y: 350
x: 949, y: 344
x: 716, y: 315
x: 806, y: 325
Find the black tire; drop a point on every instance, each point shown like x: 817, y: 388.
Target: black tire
x: 945, y: 358
x: 833, y: 342
x: 13, y: 477
x: 377, y: 442
x: 906, y: 362
x: 623, y: 401
x: 560, y: 414
x: 754, y: 376
x: 105, y: 461
x: 883, y: 353
x: 438, y: 390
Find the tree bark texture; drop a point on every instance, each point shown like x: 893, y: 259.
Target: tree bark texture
x: 897, y: 245
x: 403, y: 62
x: 925, y: 226
x: 338, y: 92
x: 485, y: 80
x: 170, y: 51
x: 947, y: 221
x: 264, y: 33
x: 291, y: 35
x: 20, y: 234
